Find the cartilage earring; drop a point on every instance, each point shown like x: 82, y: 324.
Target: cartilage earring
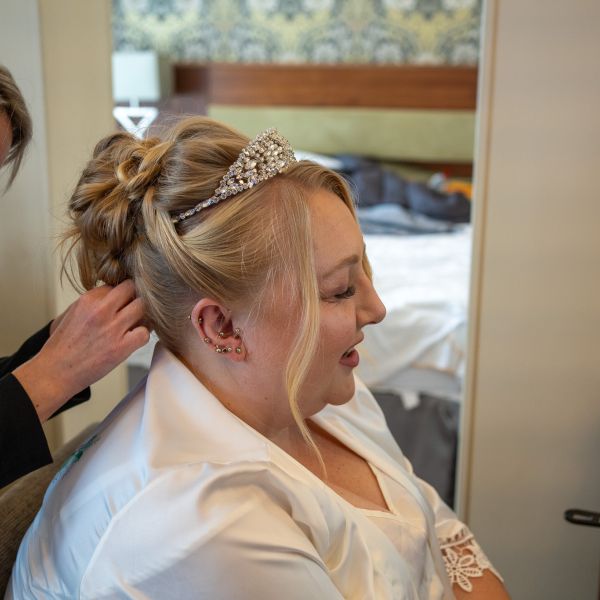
x: 200, y: 320
x: 236, y: 333
x: 238, y: 350
x: 218, y: 349
x: 207, y: 340
x: 228, y: 349
x: 221, y: 334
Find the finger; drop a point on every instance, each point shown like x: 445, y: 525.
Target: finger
x: 91, y: 308
x: 121, y: 295
x: 134, y: 339
x: 131, y: 315
x: 98, y: 292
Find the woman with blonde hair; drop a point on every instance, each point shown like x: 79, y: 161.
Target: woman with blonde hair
x: 250, y: 463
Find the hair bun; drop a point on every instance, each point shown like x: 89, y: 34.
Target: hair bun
x: 140, y: 168
x: 107, y: 204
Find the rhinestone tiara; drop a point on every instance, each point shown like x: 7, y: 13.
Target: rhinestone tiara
x: 268, y: 154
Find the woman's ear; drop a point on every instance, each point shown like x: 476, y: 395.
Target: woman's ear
x: 213, y: 325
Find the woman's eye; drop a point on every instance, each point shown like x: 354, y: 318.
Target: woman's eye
x: 347, y: 293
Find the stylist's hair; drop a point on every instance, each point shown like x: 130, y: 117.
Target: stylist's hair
x: 234, y: 252
x: 13, y: 104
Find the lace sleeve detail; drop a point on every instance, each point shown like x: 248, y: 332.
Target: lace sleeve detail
x: 464, y: 559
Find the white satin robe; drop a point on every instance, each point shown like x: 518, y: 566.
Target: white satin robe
x: 175, y: 497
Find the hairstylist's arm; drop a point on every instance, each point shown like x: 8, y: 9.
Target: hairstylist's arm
x: 96, y: 333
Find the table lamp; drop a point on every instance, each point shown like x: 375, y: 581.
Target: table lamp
x: 136, y: 78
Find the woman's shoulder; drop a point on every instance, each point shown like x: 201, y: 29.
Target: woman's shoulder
x: 130, y: 525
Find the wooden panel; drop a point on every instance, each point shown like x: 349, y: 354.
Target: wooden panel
x: 425, y: 87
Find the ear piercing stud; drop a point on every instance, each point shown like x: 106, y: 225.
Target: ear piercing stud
x: 225, y: 349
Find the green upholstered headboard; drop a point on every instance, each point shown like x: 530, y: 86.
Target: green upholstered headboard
x: 438, y: 136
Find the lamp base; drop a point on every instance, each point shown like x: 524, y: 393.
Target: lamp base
x: 143, y: 115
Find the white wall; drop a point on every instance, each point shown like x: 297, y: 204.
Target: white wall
x: 533, y: 405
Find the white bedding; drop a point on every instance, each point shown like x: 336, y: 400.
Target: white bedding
x: 423, y: 281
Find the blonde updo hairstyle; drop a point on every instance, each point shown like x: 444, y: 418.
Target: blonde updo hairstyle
x: 234, y: 252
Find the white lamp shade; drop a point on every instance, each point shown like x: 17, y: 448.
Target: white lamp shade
x: 135, y: 76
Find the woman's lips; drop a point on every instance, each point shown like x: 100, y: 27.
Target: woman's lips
x: 351, y: 359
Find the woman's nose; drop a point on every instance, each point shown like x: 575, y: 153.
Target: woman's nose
x: 373, y: 310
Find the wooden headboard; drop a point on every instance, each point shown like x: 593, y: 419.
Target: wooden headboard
x: 417, y: 102
x: 367, y: 86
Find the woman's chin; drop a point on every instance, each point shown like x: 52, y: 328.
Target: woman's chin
x: 338, y: 392
x: 344, y: 394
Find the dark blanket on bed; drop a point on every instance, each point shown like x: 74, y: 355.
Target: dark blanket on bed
x: 375, y: 185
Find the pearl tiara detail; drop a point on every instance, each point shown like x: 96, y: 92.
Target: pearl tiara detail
x: 268, y: 154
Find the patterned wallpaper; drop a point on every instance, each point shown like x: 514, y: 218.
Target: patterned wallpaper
x: 302, y: 31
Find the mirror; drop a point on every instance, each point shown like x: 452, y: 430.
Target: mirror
x: 386, y: 91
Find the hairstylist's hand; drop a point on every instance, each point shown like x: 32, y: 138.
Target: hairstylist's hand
x: 96, y: 333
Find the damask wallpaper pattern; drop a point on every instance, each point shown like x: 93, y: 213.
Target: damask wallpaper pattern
x: 302, y: 31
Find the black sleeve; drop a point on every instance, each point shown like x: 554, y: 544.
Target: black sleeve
x: 28, y: 350
x: 23, y: 445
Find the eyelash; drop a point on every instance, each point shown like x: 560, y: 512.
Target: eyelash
x: 348, y: 293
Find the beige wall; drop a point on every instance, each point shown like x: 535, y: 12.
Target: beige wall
x: 533, y: 406
x: 26, y: 297
x: 24, y: 209
x: 59, y: 51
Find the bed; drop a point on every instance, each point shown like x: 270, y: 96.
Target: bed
x: 415, y: 120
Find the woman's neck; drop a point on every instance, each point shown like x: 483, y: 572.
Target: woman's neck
x: 237, y: 390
